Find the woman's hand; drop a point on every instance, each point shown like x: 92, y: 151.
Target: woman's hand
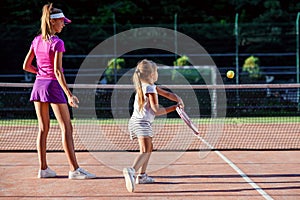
x: 73, y: 101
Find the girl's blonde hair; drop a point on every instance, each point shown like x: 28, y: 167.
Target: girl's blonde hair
x: 46, y: 27
x: 142, y: 73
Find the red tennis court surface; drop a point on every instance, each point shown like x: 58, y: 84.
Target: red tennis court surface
x: 220, y: 175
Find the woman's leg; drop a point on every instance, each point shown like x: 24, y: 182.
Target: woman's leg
x: 141, y: 161
x: 42, y: 112
x: 62, y: 115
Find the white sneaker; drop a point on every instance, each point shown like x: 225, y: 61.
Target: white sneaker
x: 46, y: 173
x: 80, y: 174
x: 144, y: 179
x: 129, y: 178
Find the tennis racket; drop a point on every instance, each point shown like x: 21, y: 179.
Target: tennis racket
x: 187, y: 120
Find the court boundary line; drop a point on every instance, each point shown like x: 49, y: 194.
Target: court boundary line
x: 244, y: 176
x: 238, y: 170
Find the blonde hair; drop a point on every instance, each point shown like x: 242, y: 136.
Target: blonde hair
x: 46, y: 27
x: 142, y: 73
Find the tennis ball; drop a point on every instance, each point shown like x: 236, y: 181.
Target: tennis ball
x: 230, y: 74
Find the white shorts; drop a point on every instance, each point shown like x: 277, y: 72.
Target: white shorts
x: 139, y: 128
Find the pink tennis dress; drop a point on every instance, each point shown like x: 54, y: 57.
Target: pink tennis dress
x: 46, y: 87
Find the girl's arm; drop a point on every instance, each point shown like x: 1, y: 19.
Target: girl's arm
x: 61, y: 79
x: 153, y: 99
x: 27, y: 65
x: 171, y: 96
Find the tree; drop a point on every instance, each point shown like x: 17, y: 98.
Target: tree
x: 114, y: 68
x: 251, y: 67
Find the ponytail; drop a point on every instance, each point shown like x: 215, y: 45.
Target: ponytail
x: 45, y: 22
x: 138, y: 88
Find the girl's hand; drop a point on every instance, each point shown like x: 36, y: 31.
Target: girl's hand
x: 73, y: 101
x: 180, y: 103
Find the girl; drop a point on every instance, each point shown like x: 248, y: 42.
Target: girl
x: 49, y: 89
x: 146, y: 107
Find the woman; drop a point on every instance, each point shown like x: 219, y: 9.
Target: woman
x: 50, y: 88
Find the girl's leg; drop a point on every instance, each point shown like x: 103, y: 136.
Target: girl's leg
x: 42, y: 112
x: 142, y: 159
x: 140, y: 163
x: 150, y: 146
x: 62, y: 115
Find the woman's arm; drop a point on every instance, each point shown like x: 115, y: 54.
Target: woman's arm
x: 27, y: 65
x: 61, y: 79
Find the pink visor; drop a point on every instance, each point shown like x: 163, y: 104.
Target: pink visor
x: 60, y: 15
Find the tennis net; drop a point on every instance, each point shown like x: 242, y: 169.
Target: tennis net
x: 230, y: 117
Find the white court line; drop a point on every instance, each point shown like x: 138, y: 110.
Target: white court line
x: 239, y: 171
x: 244, y: 176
